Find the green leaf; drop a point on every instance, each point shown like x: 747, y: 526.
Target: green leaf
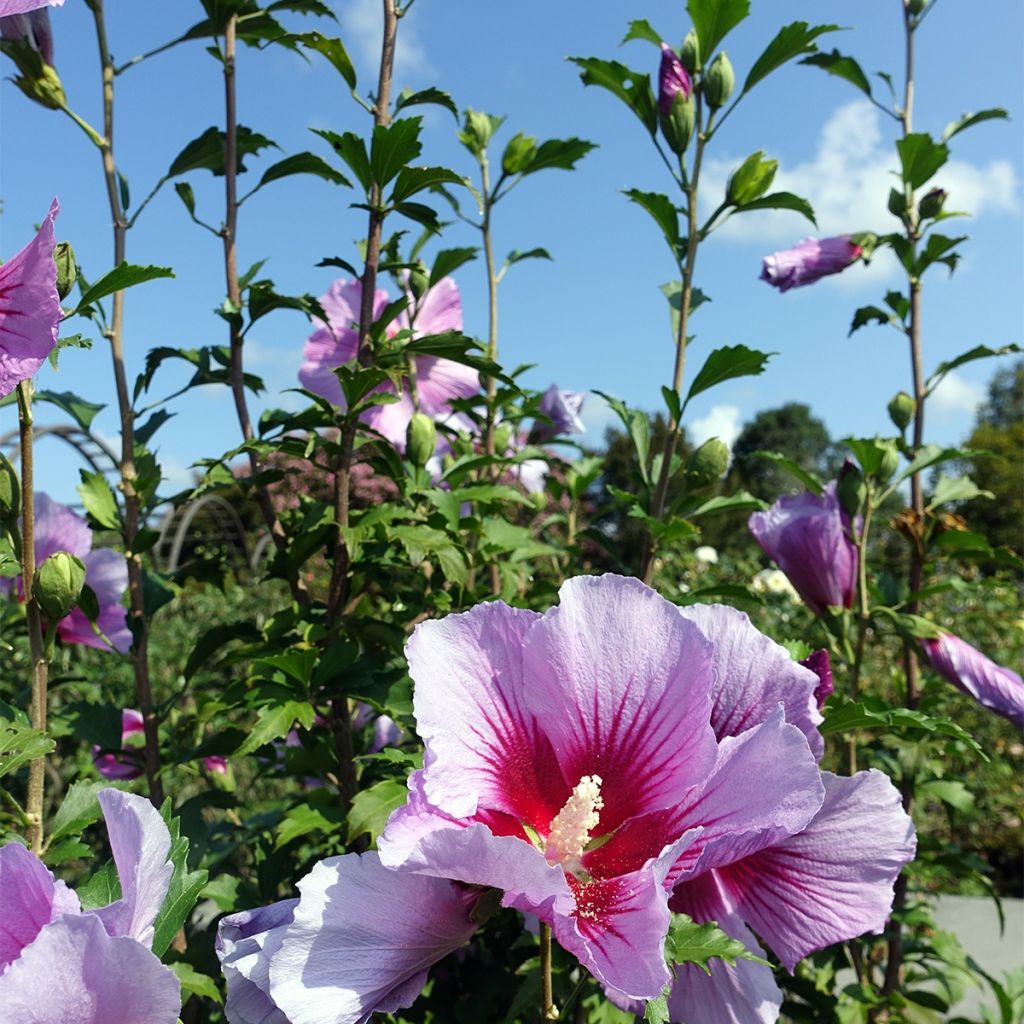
x: 20, y: 744
x: 838, y: 64
x: 275, y: 721
x: 949, y: 791
x: 807, y: 478
x: 751, y: 179
x: 334, y: 50
x: 303, y: 163
x: 641, y: 29
x: 372, y: 807
x: 206, y: 152
x: 920, y: 157
x: 304, y: 819
x: 713, y: 20
x: 352, y: 149
x: 558, y: 154
x: 868, y: 315
x: 691, y: 943
x: 961, y: 488
x: 81, y: 411
x: 157, y: 591
x: 969, y: 120
x: 408, y: 98
x: 931, y: 455
x: 393, y: 147
x: 421, y: 214
x: 78, y: 810
x: 656, y: 1011
x: 939, y: 249
x: 781, y: 201
x: 725, y: 364
x: 632, y: 87
x: 792, y: 40
x: 102, y: 888
x: 98, y: 499
x: 183, y: 891
x: 978, y: 352
x: 447, y: 261
x: 194, y: 983
x: 415, y: 179
x: 740, y: 501
x: 663, y: 213
x: 126, y: 275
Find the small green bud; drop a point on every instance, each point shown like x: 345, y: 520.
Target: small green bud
x: 708, y: 463
x: 44, y: 87
x: 58, y: 584
x: 931, y: 203
x: 503, y: 437
x: 690, y: 53
x: 851, y: 489
x: 10, y: 492
x: 67, y: 268
x: 419, y: 280
x: 890, y: 461
x: 901, y: 410
x: 420, y: 439
x: 677, y: 127
x: 897, y: 202
x: 916, y: 7
x: 719, y: 81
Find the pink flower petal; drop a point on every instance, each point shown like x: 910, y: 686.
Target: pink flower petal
x: 9, y: 7
x: 57, y: 528
x: 106, y: 572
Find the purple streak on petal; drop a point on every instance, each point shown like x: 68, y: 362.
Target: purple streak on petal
x: 809, y: 261
x: 245, y: 943
x: 30, y: 898
x: 743, y: 994
x: 57, y: 528
x: 126, y: 763
x: 620, y: 682
x: 832, y: 881
x: 821, y: 665
x: 29, y: 304
x: 140, y: 843
x: 106, y: 571
x: 75, y: 973
x: 360, y: 935
x: 997, y: 688
x: 753, y: 676
x: 807, y: 536
x: 673, y: 80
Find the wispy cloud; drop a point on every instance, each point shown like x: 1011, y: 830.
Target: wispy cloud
x: 956, y: 395
x: 363, y: 32
x: 597, y: 417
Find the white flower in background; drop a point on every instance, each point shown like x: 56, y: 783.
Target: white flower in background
x: 706, y: 554
x: 774, y: 581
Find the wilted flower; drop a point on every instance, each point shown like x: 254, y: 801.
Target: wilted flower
x: 994, y: 687
x: 563, y: 409
x: 673, y: 80
x: 438, y: 381
x: 29, y: 305
x: 59, y: 963
x: 32, y: 28
x: 594, y: 763
x: 809, y: 261
x: 808, y: 537
x: 125, y: 763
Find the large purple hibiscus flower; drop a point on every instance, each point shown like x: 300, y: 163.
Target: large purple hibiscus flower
x: 29, y: 304
x: 59, y: 963
x: 437, y: 382
x: 594, y: 763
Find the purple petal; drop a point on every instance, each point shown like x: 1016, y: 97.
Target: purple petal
x: 75, y: 973
x: 57, y: 528
x: 9, y: 7
x: 620, y: 682
x: 391, y: 420
x: 673, y: 80
x: 106, y: 571
x: 32, y: 28
x: 127, y: 762
x: 753, y: 676
x: 809, y: 261
x: 440, y: 310
x: 29, y: 304
x: 832, y: 881
x: 140, y: 843
x: 29, y: 899
x: 821, y: 665
x: 997, y: 688
x: 245, y: 943
x: 362, y: 939
x: 562, y: 408
x: 438, y: 381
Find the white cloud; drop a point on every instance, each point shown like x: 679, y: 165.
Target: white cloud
x: 848, y: 182
x: 723, y: 421
x: 361, y: 24
x: 597, y: 417
x: 956, y: 395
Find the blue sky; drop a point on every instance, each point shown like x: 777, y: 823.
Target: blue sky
x: 594, y: 318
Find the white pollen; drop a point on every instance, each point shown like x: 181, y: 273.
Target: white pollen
x: 572, y: 825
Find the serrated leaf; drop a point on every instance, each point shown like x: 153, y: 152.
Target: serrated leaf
x: 275, y: 721
x: 206, y: 151
x: 969, y: 120
x: 334, y: 50
x: 515, y: 256
x: 725, y: 364
x: 558, y: 154
x: 98, y: 499
x: 408, y: 98
x: 101, y: 889
x: 393, y: 147
x: 20, y: 744
x: 372, y: 807
x: 304, y: 819
x: 691, y: 943
x: 808, y: 479
x: 780, y: 201
x: 868, y: 315
x: 632, y: 87
x: 641, y: 29
x: 791, y: 41
x: 931, y: 455
x: 411, y: 180
x: 663, y: 212
x: 303, y: 163
x: 978, y: 352
x: 838, y: 64
x: 920, y: 157
x: 183, y: 890
x: 713, y: 20
x: 125, y: 275
x: 447, y: 261
x: 352, y: 149
x: 194, y: 983
x: 79, y: 409
x: 961, y: 488
x: 77, y: 810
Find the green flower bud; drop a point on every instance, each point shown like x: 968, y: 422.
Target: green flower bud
x: 901, y: 410
x: 916, y: 7
x: 851, y: 489
x: 58, y: 584
x: 931, y: 203
x: 44, y: 87
x: 10, y: 492
x: 897, y: 202
x: 890, y: 461
x: 419, y: 279
x: 67, y: 268
x: 708, y: 463
x: 719, y: 81
x: 420, y: 439
x: 690, y: 53
x: 677, y: 127
x: 503, y: 438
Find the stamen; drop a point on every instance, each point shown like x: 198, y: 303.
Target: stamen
x: 572, y: 825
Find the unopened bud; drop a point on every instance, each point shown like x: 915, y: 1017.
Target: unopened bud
x: 708, y: 463
x: 890, y: 462
x: 901, y: 410
x: 931, y: 203
x: 916, y: 7
x: 719, y: 81
x: 67, y: 268
x: 897, y: 202
x: 10, y: 492
x: 851, y: 489
x: 419, y: 279
x: 58, y: 584
x: 420, y: 439
x: 44, y: 87
x: 503, y: 438
x: 677, y: 127
x: 690, y: 53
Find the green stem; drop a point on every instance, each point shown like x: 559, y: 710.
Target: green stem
x: 547, y: 1000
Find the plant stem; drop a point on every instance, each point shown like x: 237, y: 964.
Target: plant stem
x: 37, y: 655
x: 863, y: 621
x: 229, y: 233
x: 132, y: 499
x: 673, y: 431
x: 547, y: 1000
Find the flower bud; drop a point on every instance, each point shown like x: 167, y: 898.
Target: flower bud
x: 420, y: 439
x: 10, y: 492
x: 708, y: 463
x: 672, y: 80
x: 31, y: 28
x: 58, y: 584
x: 677, y: 127
x: 897, y: 202
x: 690, y: 53
x: 931, y: 203
x: 419, y: 279
x: 67, y: 268
x: 719, y: 81
x: 916, y: 7
x: 503, y: 435
x: 901, y: 410
x: 850, y: 488
x: 890, y: 461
